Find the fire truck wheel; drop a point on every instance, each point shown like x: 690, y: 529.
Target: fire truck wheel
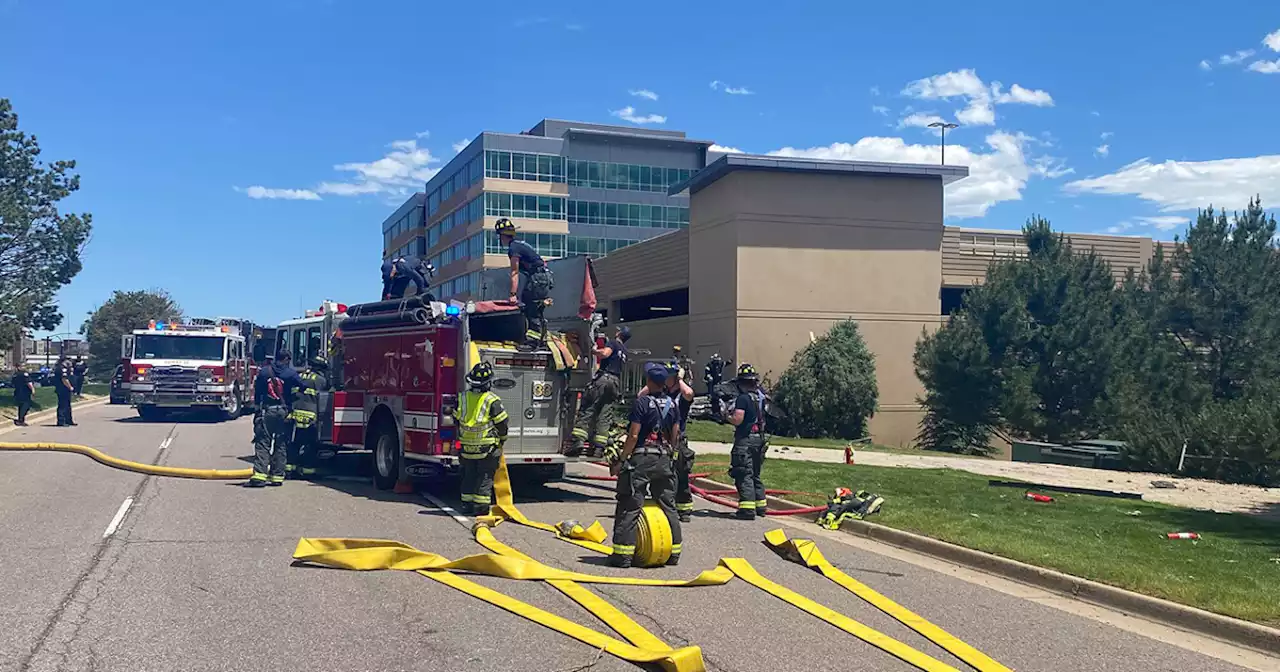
x: 386, y: 459
x: 235, y: 408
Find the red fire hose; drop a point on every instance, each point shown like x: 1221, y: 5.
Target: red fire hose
x: 716, y: 496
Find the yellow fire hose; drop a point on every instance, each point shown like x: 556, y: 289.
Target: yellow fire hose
x: 652, y: 549
x: 139, y: 467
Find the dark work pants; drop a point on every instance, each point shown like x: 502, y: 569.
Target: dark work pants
x: 644, y: 475
x: 745, y: 461
x: 64, y: 407
x: 596, y: 413
x: 24, y: 407
x: 537, y: 288
x: 684, y: 465
x: 271, y: 446
x: 477, y: 479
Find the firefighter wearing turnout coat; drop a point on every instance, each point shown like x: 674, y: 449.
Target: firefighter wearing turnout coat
x: 645, y: 467
x: 749, y: 443
x: 679, y: 390
x: 482, y: 425
x: 595, y: 412
x: 306, y: 404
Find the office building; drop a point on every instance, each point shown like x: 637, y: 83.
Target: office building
x: 573, y: 188
x: 779, y: 249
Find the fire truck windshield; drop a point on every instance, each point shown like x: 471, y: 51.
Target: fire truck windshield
x: 155, y: 346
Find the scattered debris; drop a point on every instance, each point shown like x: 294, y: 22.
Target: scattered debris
x: 1182, y: 535
x: 995, y: 482
x: 1164, y: 485
x: 1134, y: 512
x: 1036, y: 497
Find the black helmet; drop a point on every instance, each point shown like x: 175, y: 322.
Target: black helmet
x: 319, y: 363
x: 481, y: 375
x: 504, y: 227
x: 747, y: 372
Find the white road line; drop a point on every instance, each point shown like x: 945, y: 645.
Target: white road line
x: 119, y: 518
x: 167, y: 440
x: 439, y: 504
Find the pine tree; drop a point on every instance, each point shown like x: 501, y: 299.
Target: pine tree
x: 830, y: 390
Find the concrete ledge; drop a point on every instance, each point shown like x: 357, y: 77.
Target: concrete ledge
x: 8, y: 425
x: 1233, y: 630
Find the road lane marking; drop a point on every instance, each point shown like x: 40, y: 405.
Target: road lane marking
x: 439, y: 504
x: 119, y: 517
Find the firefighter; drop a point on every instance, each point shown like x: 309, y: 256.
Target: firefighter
x: 272, y: 396
x: 399, y: 273
x: 538, y: 282
x: 306, y: 406
x: 680, y: 392
x: 595, y: 411
x: 749, y: 443
x: 645, y: 469
x: 686, y: 365
x: 482, y: 429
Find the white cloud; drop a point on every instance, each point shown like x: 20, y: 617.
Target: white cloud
x: 1233, y: 59
x: 643, y: 93
x: 1272, y: 40
x: 980, y: 99
x: 400, y: 172
x: 628, y: 113
x: 875, y: 90
x: 920, y: 120
x: 724, y: 150
x: 460, y: 145
x: 1107, y: 134
x: 286, y: 194
x: 1017, y: 94
x: 880, y: 110
x: 1163, y: 222
x: 421, y: 135
x: 717, y: 85
x: 1266, y: 67
x: 1189, y: 185
x: 1102, y: 150
x: 574, y: 26
x: 996, y: 176
x: 1204, y: 65
x: 1095, y: 113
x: 1051, y: 167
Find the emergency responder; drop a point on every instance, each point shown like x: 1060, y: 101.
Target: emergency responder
x: 337, y: 355
x: 680, y: 391
x: 65, y: 388
x: 749, y: 443
x: 538, y: 282
x: 482, y: 429
x: 306, y: 405
x: 273, y: 397
x: 595, y: 410
x: 398, y: 273
x: 644, y: 469
x: 685, y: 363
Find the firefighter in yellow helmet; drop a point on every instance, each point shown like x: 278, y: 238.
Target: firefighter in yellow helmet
x: 482, y: 425
x: 538, y: 282
x: 749, y: 443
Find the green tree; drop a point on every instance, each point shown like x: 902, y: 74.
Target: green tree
x: 830, y: 387
x: 39, y: 246
x: 119, y: 315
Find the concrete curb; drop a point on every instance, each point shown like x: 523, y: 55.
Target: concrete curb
x: 40, y: 415
x: 1242, y: 633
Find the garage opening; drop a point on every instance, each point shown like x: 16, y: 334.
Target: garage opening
x: 670, y: 303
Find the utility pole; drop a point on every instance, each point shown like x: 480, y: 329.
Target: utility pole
x: 943, y: 126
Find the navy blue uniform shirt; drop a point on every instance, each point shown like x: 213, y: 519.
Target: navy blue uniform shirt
x: 750, y: 404
x: 530, y: 260
x: 646, y: 411
x: 613, y: 363
x: 406, y: 272
x: 287, y: 374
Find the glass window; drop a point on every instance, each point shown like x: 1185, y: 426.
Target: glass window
x: 415, y: 218
x: 633, y: 177
x: 476, y: 169
x: 646, y: 178
x: 433, y: 202
x: 504, y: 165
x: 544, y: 207
x: 517, y: 166
x: 610, y: 213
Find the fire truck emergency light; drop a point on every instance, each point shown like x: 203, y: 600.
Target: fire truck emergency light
x: 452, y: 310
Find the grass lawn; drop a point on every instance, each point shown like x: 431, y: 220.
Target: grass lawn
x: 705, y: 430
x: 46, y: 398
x: 1234, y: 569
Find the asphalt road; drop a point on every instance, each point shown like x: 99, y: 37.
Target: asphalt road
x: 197, y: 576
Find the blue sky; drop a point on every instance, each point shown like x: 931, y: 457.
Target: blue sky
x: 242, y: 155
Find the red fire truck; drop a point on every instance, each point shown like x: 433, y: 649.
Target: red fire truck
x: 401, y: 366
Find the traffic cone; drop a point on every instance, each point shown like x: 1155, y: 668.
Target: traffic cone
x: 404, y: 487
x: 1182, y: 535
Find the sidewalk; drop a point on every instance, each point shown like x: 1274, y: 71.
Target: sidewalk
x: 1189, y: 493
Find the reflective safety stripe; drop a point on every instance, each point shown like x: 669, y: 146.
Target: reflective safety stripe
x: 762, y: 503
x: 277, y: 479
x: 600, y: 439
x: 308, y: 471
x: 475, y: 427
x: 676, y: 548
x: 468, y: 498
x: 480, y: 499
x: 258, y: 477
x: 579, y: 433
x: 531, y: 334
x: 747, y: 505
x: 623, y: 548
x: 684, y: 506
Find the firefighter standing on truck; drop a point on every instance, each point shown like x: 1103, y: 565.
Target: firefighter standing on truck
x: 306, y: 405
x: 645, y: 469
x: 482, y: 425
x: 680, y: 392
x: 749, y: 443
x: 272, y: 396
x: 538, y: 282
x: 595, y: 410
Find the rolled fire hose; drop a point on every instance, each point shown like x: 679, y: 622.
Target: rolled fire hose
x: 127, y: 465
x: 388, y: 306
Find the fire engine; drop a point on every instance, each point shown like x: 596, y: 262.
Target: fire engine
x: 201, y: 364
x: 398, y: 368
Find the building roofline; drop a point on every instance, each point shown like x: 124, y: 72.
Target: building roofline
x: 734, y: 162
x: 638, y: 134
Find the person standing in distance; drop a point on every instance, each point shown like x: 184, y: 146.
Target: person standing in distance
x: 273, y: 397
x: 482, y: 425
x: 595, y: 410
x: 680, y: 392
x: 23, y: 390
x: 644, y: 468
x: 538, y: 282
x: 65, y: 388
x: 749, y: 444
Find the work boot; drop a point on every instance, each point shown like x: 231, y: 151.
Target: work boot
x: 745, y: 514
x: 466, y: 509
x: 255, y: 483
x: 673, y: 560
x: 620, y: 561
x: 685, y: 517
x: 276, y: 481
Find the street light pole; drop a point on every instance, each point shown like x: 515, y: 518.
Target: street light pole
x: 943, y: 126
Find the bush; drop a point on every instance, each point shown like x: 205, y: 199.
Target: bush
x: 829, y: 390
